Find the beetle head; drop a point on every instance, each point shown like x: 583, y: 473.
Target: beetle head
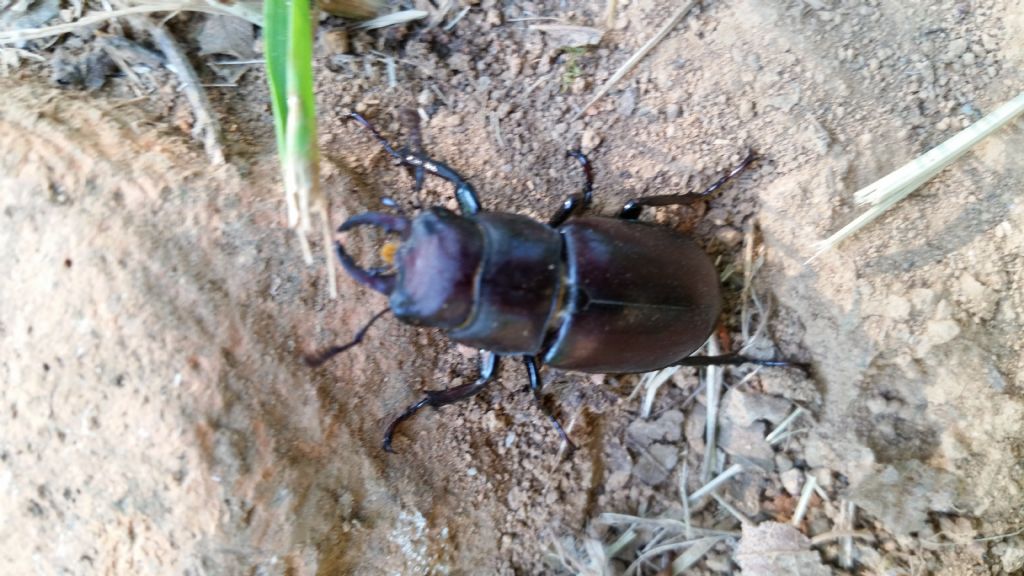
x: 435, y: 269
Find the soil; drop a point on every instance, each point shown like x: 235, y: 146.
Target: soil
x: 158, y: 418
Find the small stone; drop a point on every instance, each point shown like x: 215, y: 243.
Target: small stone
x: 656, y: 463
x: 941, y: 331
x: 729, y: 237
x: 695, y: 430
x: 627, y: 102
x: 748, y: 442
x: 672, y: 112
x: 744, y: 409
x: 955, y: 49
x: 668, y: 428
x: 493, y: 17
x: 425, y: 97
x: 335, y: 41
x: 579, y: 85
x: 460, y: 62
x: 1012, y: 559
x: 591, y: 140
x: 783, y: 462
x: 923, y: 299
x: 776, y: 548
x: 978, y: 299
x: 968, y: 58
x: 897, y: 307
x: 746, y: 111
x: 823, y: 476
x: 792, y: 480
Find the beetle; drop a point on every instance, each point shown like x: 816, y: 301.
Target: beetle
x: 582, y: 293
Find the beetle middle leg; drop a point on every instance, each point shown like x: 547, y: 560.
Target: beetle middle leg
x: 632, y: 209
x: 577, y: 202
x: 465, y: 194
x: 319, y: 358
x: 535, y: 386
x: 438, y: 398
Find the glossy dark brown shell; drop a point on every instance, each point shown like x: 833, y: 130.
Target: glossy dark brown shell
x: 641, y: 297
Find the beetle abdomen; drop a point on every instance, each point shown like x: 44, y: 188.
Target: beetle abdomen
x: 517, y: 285
x: 640, y: 297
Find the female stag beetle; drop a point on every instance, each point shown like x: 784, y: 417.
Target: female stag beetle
x: 590, y: 294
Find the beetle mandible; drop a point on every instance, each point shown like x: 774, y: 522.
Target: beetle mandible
x: 589, y: 294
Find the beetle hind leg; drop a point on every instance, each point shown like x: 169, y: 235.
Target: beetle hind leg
x: 535, y: 386
x: 632, y: 209
x: 734, y: 359
x: 438, y: 398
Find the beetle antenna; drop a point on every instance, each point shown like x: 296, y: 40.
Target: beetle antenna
x: 319, y: 358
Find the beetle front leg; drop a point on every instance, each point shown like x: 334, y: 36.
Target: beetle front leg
x: 465, y: 194
x: 438, y: 398
x: 577, y: 202
x: 535, y: 386
x: 633, y: 208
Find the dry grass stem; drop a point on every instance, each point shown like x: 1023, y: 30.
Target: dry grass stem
x: 887, y: 191
x: 776, y: 435
x: 732, y: 510
x: 393, y: 19
x: 713, y: 377
x: 637, y: 56
x: 677, y: 526
x: 609, y: 14
x: 715, y: 483
x: 684, y: 474
x: 805, y: 500
x: 693, y: 554
x: 462, y: 13
x: 238, y: 10
x: 847, y: 517
x: 650, y: 383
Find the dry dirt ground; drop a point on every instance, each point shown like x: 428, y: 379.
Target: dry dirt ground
x: 156, y: 417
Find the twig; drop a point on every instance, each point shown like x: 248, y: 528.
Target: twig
x: 637, y: 56
x: 206, y: 123
x: 805, y: 501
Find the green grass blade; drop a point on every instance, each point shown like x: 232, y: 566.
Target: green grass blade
x: 275, y: 49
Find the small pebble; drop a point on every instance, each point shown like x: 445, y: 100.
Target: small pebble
x: 591, y: 140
